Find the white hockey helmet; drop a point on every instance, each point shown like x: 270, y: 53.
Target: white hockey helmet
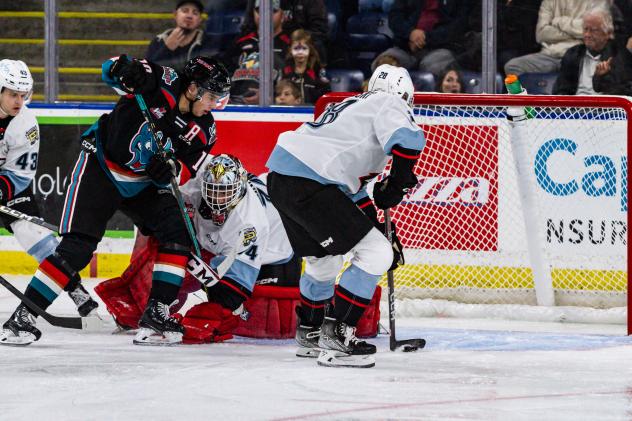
x: 15, y: 75
x: 393, y: 80
x: 224, y: 184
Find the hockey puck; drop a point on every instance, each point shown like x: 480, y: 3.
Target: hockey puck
x: 409, y: 348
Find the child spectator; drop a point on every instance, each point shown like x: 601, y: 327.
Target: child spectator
x: 176, y: 46
x: 287, y: 93
x: 450, y: 81
x: 303, y: 67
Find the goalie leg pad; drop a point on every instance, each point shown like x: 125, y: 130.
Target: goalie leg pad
x: 207, y: 323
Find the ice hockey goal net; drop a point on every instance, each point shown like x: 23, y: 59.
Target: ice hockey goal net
x: 519, y: 220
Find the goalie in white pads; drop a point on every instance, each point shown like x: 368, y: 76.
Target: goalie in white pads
x: 19, y: 149
x: 317, y: 183
x: 235, y: 220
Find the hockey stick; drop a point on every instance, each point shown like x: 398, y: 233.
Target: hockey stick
x: 33, y: 219
x: 408, y: 345
x: 209, y: 276
x: 59, y: 321
x: 175, y: 190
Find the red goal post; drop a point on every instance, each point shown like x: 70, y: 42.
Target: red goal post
x: 512, y: 218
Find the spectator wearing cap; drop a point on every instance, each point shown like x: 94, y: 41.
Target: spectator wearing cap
x: 176, y: 46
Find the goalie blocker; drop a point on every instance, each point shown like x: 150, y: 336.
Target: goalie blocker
x: 271, y: 305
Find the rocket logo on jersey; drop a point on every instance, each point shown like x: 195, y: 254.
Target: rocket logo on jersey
x: 143, y: 147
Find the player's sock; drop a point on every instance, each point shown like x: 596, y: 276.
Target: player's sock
x: 349, y: 307
x: 52, y: 277
x: 169, y: 271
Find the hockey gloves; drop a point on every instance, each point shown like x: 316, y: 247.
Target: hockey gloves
x: 133, y: 75
x: 226, y: 296
x: 160, y: 169
x: 390, y: 191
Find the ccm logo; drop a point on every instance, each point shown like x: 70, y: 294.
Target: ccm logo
x: 450, y: 191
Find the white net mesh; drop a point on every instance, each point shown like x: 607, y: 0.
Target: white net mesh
x: 487, y: 187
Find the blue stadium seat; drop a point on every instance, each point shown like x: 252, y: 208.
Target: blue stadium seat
x: 369, y: 42
x: 345, y: 80
x: 369, y: 5
x: 369, y: 23
x: 423, y: 81
x: 472, y: 81
x: 228, y: 22
x: 538, y: 83
x: 332, y: 26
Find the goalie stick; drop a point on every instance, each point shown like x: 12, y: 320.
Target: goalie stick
x: 59, y: 321
x: 33, y: 219
x: 407, y: 345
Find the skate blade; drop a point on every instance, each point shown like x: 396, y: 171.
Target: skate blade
x: 9, y: 339
x: 304, y: 352
x: 149, y: 337
x: 330, y: 358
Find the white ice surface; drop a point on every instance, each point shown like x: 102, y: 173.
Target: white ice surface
x: 464, y: 373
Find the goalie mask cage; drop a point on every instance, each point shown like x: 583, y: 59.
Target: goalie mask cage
x: 519, y: 220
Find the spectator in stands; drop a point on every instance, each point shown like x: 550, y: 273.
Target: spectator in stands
x: 248, y: 42
x: 303, y: 67
x: 559, y: 28
x: 176, y: 46
x: 310, y: 15
x: 427, y: 33
x: 287, y: 93
x: 622, y: 16
x: 381, y: 59
x: 595, y: 66
x: 450, y: 81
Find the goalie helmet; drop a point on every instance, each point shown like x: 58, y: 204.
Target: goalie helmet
x: 393, y: 80
x: 15, y: 75
x: 224, y: 183
x: 208, y: 74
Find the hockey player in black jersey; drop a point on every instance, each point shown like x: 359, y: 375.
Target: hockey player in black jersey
x: 120, y: 168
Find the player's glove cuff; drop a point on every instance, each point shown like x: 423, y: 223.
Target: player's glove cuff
x: 161, y: 169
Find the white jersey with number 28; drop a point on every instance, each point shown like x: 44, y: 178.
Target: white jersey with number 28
x: 350, y: 143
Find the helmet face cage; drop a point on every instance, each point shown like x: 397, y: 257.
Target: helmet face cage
x: 224, y: 184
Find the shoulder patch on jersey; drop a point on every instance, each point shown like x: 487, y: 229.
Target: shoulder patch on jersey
x: 32, y: 135
x: 169, y: 75
x: 249, y: 236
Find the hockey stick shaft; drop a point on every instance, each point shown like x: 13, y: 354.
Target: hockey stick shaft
x: 59, y: 321
x: 174, y: 184
x: 408, y: 344
x: 32, y: 219
x: 391, y: 284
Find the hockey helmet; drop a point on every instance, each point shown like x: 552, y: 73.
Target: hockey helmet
x: 393, y: 80
x: 209, y: 75
x: 224, y: 184
x: 15, y: 75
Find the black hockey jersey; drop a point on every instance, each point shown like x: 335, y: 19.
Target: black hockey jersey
x: 125, y: 144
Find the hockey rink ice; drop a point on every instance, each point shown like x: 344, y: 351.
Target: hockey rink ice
x: 466, y: 372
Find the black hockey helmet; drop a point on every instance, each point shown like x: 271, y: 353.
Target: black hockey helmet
x: 208, y: 74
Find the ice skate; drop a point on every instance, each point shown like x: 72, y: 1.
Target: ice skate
x: 340, y: 347
x: 20, y: 329
x: 157, y: 327
x: 86, y: 306
x: 307, y: 339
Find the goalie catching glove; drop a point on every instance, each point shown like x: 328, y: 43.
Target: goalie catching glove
x: 160, y: 169
x: 391, y: 190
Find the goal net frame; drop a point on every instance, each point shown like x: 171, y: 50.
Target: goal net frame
x: 539, y: 268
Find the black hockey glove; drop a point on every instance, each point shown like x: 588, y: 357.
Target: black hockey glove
x: 133, y: 75
x: 225, y: 296
x: 160, y: 169
x: 390, y: 191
